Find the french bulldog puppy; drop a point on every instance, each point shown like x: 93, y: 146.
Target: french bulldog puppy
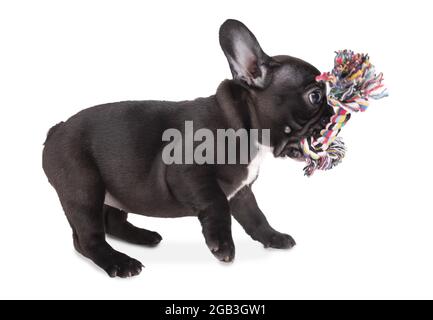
x: 107, y: 161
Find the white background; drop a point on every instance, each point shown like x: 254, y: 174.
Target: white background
x: 364, y: 230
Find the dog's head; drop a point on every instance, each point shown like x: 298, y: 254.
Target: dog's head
x: 287, y: 98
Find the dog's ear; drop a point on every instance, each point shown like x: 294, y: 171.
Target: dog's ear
x: 248, y: 63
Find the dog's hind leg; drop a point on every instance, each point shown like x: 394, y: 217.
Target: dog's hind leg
x: 116, y: 225
x: 81, y: 192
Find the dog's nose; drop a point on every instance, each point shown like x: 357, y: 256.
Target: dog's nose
x: 316, y: 133
x: 324, y: 121
x: 319, y: 126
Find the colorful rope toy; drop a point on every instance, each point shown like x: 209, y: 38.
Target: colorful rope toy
x: 352, y: 82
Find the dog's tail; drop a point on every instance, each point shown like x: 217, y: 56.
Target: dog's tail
x: 51, y: 131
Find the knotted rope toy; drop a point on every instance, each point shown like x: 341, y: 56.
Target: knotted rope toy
x: 352, y: 82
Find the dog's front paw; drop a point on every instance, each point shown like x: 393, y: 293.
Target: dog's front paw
x: 125, y: 268
x: 279, y: 241
x: 222, y: 250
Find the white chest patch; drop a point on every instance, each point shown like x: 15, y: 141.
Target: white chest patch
x: 253, y: 169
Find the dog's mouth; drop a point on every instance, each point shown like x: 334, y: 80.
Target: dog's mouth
x: 290, y: 148
x: 294, y: 151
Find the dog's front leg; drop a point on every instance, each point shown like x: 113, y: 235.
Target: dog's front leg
x: 244, y: 208
x: 202, y: 194
x: 215, y: 220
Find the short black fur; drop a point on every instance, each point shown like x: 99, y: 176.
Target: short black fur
x: 116, y: 149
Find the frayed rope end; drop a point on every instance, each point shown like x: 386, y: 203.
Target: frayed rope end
x: 352, y: 82
x: 328, y: 160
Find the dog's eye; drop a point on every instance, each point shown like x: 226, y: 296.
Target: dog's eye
x: 315, y: 97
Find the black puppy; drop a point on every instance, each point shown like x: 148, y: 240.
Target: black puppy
x: 107, y: 160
